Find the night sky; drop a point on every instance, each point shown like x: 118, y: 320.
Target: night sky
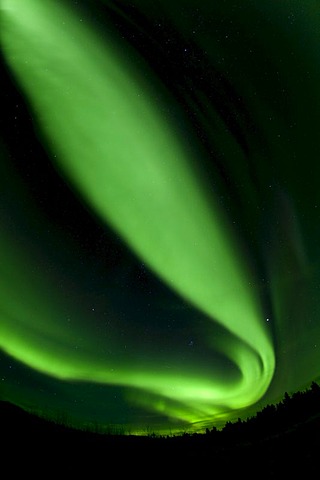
x: 159, y: 209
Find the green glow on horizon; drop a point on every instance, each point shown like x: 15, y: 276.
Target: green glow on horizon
x: 114, y: 145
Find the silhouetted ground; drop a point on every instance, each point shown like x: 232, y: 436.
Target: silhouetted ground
x: 34, y: 445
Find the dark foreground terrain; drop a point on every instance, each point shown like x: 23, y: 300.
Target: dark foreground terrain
x: 270, y: 445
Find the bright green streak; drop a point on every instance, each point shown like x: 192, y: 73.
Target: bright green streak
x: 125, y: 159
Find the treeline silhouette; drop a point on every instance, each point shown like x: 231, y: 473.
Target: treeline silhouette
x: 274, y: 419
x: 283, y: 436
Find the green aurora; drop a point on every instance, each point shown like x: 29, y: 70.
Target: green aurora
x: 182, y: 139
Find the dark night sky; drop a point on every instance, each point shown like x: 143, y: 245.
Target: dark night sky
x: 159, y: 209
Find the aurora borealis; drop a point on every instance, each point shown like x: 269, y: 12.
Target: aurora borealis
x: 159, y: 209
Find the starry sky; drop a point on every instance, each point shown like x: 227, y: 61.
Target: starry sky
x: 159, y: 209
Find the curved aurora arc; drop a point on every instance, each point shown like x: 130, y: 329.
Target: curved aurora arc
x: 128, y: 163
